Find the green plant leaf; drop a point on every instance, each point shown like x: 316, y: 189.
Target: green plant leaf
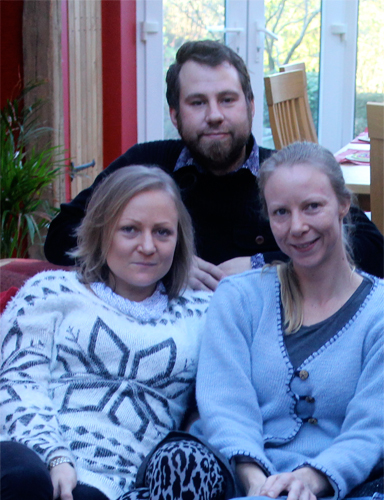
x: 25, y: 174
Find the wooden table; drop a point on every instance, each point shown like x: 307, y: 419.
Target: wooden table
x: 357, y: 177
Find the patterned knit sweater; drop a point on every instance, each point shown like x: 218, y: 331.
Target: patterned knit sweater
x: 81, y: 379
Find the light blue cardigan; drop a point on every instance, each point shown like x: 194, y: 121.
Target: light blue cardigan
x: 247, y: 388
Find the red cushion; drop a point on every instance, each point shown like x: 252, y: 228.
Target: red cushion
x: 17, y: 271
x: 6, y: 296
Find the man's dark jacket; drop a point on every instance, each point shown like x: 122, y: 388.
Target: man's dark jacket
x: 225, y: 210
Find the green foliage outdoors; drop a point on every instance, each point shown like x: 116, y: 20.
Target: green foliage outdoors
x: 187, y: 20
x: 370, y: 69
x: 313, y: 94
x: 25, y: 173
x: 361, y: 109
x: 297, y: 23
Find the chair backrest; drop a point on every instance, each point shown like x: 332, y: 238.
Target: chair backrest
x: 288, y: 107
x: 294, y: 67
x: 375, y: 117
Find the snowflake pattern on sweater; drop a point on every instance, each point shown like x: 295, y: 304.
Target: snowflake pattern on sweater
x: 81, y: 379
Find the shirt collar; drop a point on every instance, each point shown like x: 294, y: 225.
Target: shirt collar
x: 252, y: 163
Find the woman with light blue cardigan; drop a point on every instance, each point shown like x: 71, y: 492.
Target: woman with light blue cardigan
x: 290, y: 376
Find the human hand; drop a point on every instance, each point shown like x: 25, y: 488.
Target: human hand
x: 204, y: 275
x: 317, y: 481
x: 252, y: 478
x: 302, y: 484
x: 236, y: 265
x: 275, y: 485
x: 64, y: 480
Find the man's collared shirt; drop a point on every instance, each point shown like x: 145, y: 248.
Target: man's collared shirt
x: 252, y: 163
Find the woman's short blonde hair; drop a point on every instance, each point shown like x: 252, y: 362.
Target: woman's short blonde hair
x: 103, y: 212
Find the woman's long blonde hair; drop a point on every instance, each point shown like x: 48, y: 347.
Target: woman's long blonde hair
x: 300, y: 153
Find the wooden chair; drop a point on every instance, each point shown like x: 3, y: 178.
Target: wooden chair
x: 288, y: 107
x: 294, y: 67
x: 375, y: 117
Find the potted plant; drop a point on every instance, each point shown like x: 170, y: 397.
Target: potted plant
x: 25, y: 173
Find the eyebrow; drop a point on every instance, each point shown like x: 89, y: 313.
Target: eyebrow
x: 201, y: 95
x: 315, y: 197
x: 134, y: 221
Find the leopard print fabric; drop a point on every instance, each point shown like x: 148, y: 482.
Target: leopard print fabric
x: 182, y: 470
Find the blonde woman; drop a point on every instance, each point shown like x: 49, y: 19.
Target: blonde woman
x: 98, y: 365
x: 290, y: 378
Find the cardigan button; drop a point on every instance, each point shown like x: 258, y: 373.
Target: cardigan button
x: 309, y: 399
x: 303, y: 374
x: 312, y: 421
x: 259, y: 240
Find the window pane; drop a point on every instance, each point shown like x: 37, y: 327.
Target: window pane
x: 370, y: 68
x: 188, y: 20
x: 297, y: 23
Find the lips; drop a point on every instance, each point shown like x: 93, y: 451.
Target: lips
x: 145, y: 264
x: 302, y: 247
x: 215, y: 133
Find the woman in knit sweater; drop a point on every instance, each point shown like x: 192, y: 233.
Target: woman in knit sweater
x: 290, y: 377
x: 98, y: 364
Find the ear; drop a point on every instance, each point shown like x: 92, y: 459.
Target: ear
x: 173, y: 115
x: 344, y: 208
x: 252, y: 103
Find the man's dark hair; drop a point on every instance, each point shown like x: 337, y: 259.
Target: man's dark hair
x: 212, y: 54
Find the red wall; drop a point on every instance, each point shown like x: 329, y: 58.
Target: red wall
x: 119, y: 77
x: 11, y: 13
x: 118, y: 66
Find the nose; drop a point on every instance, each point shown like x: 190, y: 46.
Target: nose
x: 214, y: 113
x: 299, y: 224
x: 147, y: 244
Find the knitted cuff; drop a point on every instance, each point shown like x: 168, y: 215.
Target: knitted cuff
x: 257, y: 261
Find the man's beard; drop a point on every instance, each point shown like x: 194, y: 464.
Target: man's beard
x: 217, y: 156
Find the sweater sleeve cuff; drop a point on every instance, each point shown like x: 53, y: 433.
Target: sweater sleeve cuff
x: 257, y: 261
x: 332, y: 481
x: 243, y: 457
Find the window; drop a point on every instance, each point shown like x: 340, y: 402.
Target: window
x: 322, y: 33
x: 188, y: 20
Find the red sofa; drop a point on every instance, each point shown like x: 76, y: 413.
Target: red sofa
x: 15, y: 272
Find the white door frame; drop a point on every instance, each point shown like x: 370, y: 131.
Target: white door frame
x: 149, y: 74
x: 249, y: 14
x: 337, y: 72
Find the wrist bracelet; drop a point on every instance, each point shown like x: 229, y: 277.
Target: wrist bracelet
x: 58, y: 461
